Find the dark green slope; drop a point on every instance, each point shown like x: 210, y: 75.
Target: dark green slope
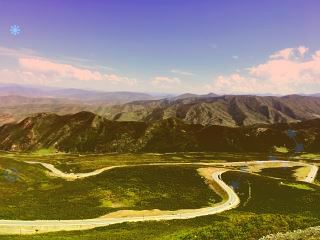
x: 225, y: 110
x: 87, y: 132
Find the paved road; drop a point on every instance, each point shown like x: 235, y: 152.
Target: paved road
x: 32, y: 227
x: 73, y: 176
x: 38, y: 226
x: 312, y: 174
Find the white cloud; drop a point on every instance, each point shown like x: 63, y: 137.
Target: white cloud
x: 182, y: 72
x: 290, y: 53
x: 235, y: 57
x: 16, y: 53
x: 303, y: 50
x: 283, y: 54
x: 38, y: 70
x: 165, y: 82
x: 286, y: 71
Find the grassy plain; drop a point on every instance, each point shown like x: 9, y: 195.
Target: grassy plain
x: 273, y: 207
x: 267, y: 205
x: 34, y: 195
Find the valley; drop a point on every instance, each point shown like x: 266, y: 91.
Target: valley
x: 174, y: 187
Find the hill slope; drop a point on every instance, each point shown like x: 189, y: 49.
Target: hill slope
x: 192, y: 109
x: 220, y: 110
x: 87, y: 132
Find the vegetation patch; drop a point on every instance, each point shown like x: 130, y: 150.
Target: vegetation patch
x: 299, y: 186
x: 267, y: 205
x: 281, y: 149
x: 274, y: 196
x: 280, y: 172
x: 34, y: 195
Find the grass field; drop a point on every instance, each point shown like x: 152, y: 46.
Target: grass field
x: 280, y: 172
x: 273, y: 207
x: 317, y: 180
x: 34, y: 195
x: 267, y: 205
x: 273, y: 196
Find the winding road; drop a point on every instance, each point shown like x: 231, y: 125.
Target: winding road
x: 73, y: 176
x: 41, y: 226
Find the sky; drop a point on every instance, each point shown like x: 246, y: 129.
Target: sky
x: 163, y: 46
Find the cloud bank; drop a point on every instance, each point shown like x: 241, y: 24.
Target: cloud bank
x: 32, y: 69
x: 286, y: 71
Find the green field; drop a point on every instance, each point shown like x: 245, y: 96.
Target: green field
x: 280, y: 172
x: 133, y: 188
x: 267, y: 205
x: 273, y: 207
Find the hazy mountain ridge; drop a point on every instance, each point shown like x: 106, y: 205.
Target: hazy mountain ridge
x: 228, y: 110
x: 207, y: 109
x: 117, y: 97
x: 87, y: 132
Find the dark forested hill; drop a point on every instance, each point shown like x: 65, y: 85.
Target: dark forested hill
x: 87, y: 132
x: 192, y: 109
x: 219, y: 110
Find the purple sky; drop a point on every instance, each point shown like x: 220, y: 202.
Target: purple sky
x: 246, y: 46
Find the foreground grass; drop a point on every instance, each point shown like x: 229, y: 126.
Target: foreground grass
x: 272, y: 196
x: 234, y: 225
x: 268, y: 207
x: 280, y: 172
x: 272, y: 208
x: 34, y: 195
x: 299, y: 186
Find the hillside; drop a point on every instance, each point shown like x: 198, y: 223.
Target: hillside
x: 87, y: 132
x: 72, y: 94
x: 206, y: 110
x: 220, y: 110
x: 312, y: 233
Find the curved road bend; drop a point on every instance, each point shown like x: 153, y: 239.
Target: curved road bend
x: 40, y: 226
x: 73, y: 176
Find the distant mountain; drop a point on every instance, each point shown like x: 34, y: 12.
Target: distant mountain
x: 228, y: 110
x: 14, y: 100
x: 194, y: 96
x: 73, y: 94
x: 16, y: 108
x: 86, y: 132
x: 20, y: 90
x: 101, y: 97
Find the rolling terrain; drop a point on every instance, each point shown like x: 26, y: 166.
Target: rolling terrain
x: 86, y: 132
x: 225, y: 110
x: 272, y: 204
x: 228, y: 110
x: 19, y: 102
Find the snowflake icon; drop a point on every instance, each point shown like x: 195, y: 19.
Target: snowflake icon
x: 15, y: 30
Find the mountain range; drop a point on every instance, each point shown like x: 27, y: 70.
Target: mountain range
x: 18, y: 102
x: 86, y: 132
x: 227, y: 110
x: 72, y: 94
